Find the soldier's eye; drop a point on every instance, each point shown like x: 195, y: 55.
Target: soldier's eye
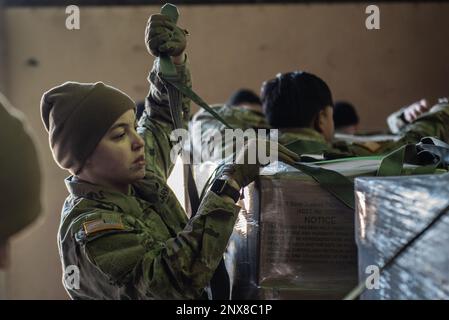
x: 119, y: 136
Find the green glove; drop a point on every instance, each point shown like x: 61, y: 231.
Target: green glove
x: 163, y: 36
x: 244, y: 172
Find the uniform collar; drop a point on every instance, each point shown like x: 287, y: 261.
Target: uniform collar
x: 302, y: 133
x: 81, y: 188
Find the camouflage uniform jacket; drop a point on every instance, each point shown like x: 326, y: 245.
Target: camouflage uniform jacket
x: 141, y: 245
x: 434, y: 123
x: 237, y: 117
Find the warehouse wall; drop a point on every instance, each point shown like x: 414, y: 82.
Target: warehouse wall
x: 229, y: 47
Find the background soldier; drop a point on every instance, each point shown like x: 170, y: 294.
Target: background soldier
x: 20, y: 180
x: 300, y: 105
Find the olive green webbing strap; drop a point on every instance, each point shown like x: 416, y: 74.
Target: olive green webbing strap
x: 200, y: 102
x: 332, y: 181
x: 393, y: 163
x: 170, y: 76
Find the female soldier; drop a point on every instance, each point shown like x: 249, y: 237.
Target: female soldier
x: 121, y: 226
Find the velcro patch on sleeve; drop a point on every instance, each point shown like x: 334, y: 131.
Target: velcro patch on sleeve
x: 102, y: 224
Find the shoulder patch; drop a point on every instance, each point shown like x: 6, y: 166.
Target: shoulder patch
x: 102, y: 224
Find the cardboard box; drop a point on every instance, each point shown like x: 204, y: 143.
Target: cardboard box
x: 293, y: 239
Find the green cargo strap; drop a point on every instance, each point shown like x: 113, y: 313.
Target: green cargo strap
x: 200, y: 102
x: 393, y: 163
x: 334, y: 182
x: 169, y: 75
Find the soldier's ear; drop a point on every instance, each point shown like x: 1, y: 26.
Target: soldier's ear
x: 322, y: 120
x: 318, y: 121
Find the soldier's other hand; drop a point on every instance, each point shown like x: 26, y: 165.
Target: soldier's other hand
x: 246, y: 167
x: 413, y: 111
x: 162, y: 36
x: 285, y: 154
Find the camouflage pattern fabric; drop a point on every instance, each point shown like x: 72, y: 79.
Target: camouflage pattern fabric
x: 434, y: 123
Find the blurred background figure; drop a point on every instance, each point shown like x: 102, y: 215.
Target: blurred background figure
x: 246, y: 99
x: 398, y: 120
x: 346, y: 119
x: 20, y: 179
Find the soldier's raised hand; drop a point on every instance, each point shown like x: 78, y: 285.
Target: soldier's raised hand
x: 413, y: 111
x: 246, y: 166
x: 162, y: 36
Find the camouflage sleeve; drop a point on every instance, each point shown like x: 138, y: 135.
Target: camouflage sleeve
x: 156, y: 103
x: 156, y: 125
x: 176, y: 268
x: 434, y: 123
x: 396, y: 121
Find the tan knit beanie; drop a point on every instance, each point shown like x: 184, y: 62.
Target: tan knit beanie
x: 77, y: 116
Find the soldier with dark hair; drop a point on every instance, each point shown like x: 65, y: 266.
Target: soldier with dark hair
x: 300, y: 105
x: 244, y: 97
x: 346, y: 119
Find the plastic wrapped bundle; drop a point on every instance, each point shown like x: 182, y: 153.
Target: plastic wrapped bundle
x: 389, y: 212
x: 293, y: 239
